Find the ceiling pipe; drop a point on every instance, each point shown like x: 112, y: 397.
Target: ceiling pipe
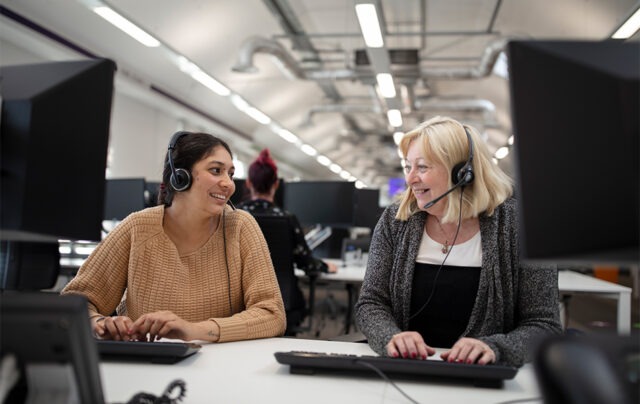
x: 483, y: 69
x: 255, y: 44
x: 486, y: 107
x: 339, y: 108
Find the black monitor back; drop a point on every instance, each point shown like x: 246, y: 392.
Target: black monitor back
x: 55, y: 133
x: 575, y: 108
x: 329, y: 203
x: 124, y: 196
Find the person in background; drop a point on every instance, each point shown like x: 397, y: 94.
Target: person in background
x: 444, y: 269
x: 262, y: 183
x: 191, y: 268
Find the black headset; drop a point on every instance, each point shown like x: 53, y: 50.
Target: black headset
x: 462, y: 173
x: 180, y: 179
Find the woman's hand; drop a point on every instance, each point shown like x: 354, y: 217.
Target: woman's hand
x: 115, y: 328
x: 165, y: 324
x: 409, y: 344
x: 469, y: 350
x: 331, y: 267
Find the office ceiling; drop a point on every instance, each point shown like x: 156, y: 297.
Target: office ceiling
x: 305, y: 74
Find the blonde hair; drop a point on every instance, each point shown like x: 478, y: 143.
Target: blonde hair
x: 445, y: 142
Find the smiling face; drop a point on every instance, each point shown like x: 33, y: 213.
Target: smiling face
x: 427, y: 179
x: 212, y: 182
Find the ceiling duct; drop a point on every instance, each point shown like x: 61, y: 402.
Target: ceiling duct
x: 255, y: 44
x: 396, y: 57
x: 483, y: 69
x: 486, y: 107
x: 339, y: 108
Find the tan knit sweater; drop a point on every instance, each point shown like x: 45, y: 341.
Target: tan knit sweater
x: 137, y: 262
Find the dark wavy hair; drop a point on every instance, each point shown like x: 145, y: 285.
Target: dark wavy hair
x: 263, y: 172
x: 188, y: 150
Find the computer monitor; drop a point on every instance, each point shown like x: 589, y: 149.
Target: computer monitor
x: 53, y: 150
x: 329, y: 203
x: 366, y: 209
x: 124, y: 196
x: 575, y: 109
x: 55, y: 133
x: 50, y: 337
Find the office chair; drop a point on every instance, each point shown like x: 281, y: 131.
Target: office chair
x: 589, y: 369
x: 280, y: 241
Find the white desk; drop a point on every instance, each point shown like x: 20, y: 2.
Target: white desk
x: 569, y: 282
x: 247, y: 372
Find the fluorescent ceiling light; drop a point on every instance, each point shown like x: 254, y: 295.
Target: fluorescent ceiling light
x: 253, y: 112
x: 397, y: 137
x: 510, y: 140
x: 335, y: 168
x: 360, y: 185
x: 126, y: 26
x: 324, y: 160
x: 352, y: 179
x: 307, y: 149
x: 502, y: 153
x: 629, y: 27
x: 211, y: 83
x: 369, y: 24
x: 288, y: 136
x: 395, y: 118
x: 385, y: 84
x: 258, y: 115
x: 344, y: 174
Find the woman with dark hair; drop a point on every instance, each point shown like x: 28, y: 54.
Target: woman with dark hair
x: 263, y: 183
x: 444, y: 269
x: 191, y: 268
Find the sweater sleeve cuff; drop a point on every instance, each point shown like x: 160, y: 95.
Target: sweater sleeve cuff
x: 231, y: 329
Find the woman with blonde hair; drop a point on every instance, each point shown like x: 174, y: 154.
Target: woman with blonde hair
x: 444, y: 268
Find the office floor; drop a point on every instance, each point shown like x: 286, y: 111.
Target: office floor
x: 585, y: 312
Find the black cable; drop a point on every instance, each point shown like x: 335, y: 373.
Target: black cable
x: 385, y: 378
x: 167, y: 397
x: 435, y: 280
x: 226, y: 261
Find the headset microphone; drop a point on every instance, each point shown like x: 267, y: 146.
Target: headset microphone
x: 461, y: 174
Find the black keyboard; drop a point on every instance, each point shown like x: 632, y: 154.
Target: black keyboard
x: 141, y: 351
x: 480, y: 375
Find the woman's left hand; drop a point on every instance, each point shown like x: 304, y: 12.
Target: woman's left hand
x: 469, y: 350
x: 166, y: 324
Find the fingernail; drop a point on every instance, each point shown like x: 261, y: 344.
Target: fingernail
x: 395, y: 355
x: 413, y: 354
x: 404, y: 355
x: 424, y: 356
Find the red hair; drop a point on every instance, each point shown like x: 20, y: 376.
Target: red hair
x: 263, y: 172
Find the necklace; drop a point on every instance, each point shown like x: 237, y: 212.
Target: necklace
x: 445, y: 247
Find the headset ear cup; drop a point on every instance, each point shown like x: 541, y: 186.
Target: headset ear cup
x: 180, y: 180
x: 462, y: 173
x: 457, y: 173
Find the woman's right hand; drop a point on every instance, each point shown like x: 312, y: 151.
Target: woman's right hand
x: 112, y: 327
x: 409, y: 344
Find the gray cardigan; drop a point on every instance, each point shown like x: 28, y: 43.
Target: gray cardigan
x: 516, y: 304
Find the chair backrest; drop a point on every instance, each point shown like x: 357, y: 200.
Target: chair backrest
x: 280, y: 241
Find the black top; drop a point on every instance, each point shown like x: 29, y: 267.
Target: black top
x: 301, y: 252
x: 445, y: 318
